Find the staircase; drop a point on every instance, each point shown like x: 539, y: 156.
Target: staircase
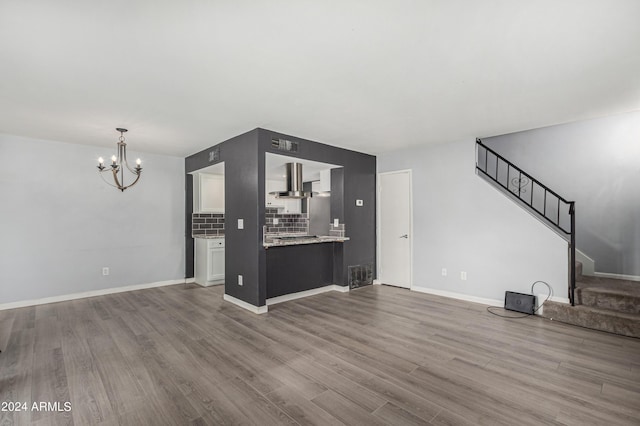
x: 604, y: 304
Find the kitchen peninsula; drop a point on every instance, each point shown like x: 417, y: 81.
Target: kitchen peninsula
x: 297, y: 263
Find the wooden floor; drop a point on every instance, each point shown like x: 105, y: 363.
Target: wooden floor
x: 378, y: 355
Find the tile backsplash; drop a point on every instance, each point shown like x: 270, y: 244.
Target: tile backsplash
x: 287, y: 222
x: 208, y: 224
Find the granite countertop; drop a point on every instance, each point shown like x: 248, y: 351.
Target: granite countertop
x: 277, y: 242
x: 208, y: 237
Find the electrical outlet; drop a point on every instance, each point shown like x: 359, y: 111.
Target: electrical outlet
x: 444, y: 272
x: 275, y: 220
x: 239, y: 279
x: 105, y: 271
x: 336, y: 222
x: 463, y: 276
x: 240, y: 223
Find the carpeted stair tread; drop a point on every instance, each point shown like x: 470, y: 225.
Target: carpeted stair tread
x: 589, y: 281
x: 624, y: 323
x: 609, y: 298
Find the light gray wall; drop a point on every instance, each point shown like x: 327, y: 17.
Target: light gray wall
x: 596, y: 163
x: 463, y: 224
x: 60, y: 223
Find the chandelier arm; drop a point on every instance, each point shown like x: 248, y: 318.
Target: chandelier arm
x: 132, y: 183
x: 115, y: 179
x: 106, y: 181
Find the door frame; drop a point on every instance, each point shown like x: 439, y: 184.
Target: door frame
x: 379, y: 224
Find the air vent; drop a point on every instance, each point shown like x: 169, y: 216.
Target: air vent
x: 284, y: 145
x: 214, y: 154
x: 360, y: 275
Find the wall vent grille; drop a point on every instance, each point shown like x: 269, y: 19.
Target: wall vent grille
x: 214, y: 154
x: 284, y: 145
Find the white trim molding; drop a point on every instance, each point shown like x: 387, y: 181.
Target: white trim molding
x: 93, y: 293
x: 616, y: 276
x: 306, y: 293
x: 245, y: 305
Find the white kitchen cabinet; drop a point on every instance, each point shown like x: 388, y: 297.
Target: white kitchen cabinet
x: 292, y: 206
x: 209, y: 261
x: 271, y: 200
x: 284, y: 205
x: 208, y: 193
x: 325, y: 181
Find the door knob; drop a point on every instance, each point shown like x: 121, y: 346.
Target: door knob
x: 404, y: 236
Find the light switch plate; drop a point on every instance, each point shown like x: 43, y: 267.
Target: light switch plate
x: 336, y: 222
x: 240, y: 223
x: 359, y: 203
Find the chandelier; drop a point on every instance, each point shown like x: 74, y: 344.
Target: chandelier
x: 118, y: 164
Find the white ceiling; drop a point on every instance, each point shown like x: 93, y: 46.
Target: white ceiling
x: 366, y: 75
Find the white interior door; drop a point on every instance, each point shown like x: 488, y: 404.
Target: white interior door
x: 394, y: 195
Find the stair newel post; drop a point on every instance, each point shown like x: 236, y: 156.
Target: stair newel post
x: 572, y: 286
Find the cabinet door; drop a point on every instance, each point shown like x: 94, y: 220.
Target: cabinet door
x: 293, y: 206
x: 216, y: 264
x: 211, y: 193
x: 271, y: 200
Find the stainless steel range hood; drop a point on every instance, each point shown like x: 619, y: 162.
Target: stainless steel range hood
x: 294, y: 183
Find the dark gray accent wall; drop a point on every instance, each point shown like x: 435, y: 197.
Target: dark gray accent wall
x: 244, y: 158
x: 595, y: 164
x: 291, y: 269
x: 189, y: 246
x: 242, y: 168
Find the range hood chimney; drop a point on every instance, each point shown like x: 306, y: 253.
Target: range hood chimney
x: 294, y: 183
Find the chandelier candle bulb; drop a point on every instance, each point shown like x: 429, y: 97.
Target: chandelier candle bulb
x: 113, y: 159
x: 100, y: 160
x: 138, y: 162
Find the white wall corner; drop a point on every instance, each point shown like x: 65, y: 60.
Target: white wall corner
x: 588, y: 264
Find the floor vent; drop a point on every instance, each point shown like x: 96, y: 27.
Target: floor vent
x: 284, y: 145
x: 360, y: 275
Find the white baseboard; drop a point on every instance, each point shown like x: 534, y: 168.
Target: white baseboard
x: 459, y: 296
x: 377, y: 282
x: 306, y: 293
x: 617, y: 276
x: 341, y: 288
x: 245, y: 305
x: 93, y: 293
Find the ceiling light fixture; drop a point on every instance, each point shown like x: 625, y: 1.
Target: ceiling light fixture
x: 118, y: 164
